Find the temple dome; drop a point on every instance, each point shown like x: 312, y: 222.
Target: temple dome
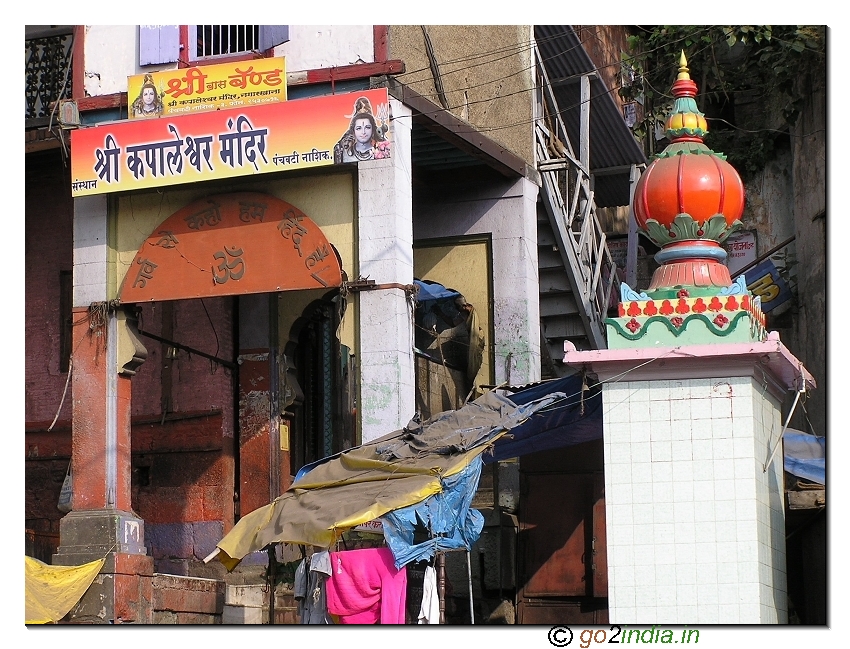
x: 689, y: 191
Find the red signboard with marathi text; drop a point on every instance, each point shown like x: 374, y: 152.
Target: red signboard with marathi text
x: 171, y: 150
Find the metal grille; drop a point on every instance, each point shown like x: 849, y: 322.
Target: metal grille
x: 48, y: 74
x: 327, y: 386
x: 215, y: 40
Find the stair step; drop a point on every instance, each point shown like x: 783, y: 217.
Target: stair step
x: 563, y: 326
x: 545, y: 236
x: 549, y: 258
x: 554, y: 304
x: 554, y: 280
x: 556, y: 351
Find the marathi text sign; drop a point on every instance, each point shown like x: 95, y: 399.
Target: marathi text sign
x: 741, y: 250
x: 139, y: 154
x: 205, y: 88
x: 375, y: 527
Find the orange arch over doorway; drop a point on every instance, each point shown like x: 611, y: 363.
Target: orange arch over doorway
x: 231, y: 244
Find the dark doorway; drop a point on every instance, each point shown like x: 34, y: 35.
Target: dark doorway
x: 562, y: 561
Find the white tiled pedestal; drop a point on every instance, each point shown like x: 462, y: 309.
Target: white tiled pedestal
x: 696, y: 527
x: 695, y: 524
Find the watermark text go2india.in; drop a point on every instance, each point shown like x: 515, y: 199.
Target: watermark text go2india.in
x: 562, y: 636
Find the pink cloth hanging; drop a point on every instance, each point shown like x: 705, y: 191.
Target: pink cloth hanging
x: 365, y: 587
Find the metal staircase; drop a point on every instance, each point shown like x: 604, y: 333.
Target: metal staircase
x: 577, y: 281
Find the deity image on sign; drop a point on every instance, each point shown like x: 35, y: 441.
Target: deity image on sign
x: 148, y: 103
x: 365, y: 138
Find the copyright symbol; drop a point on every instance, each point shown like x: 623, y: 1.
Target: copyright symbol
x: 560, y: 636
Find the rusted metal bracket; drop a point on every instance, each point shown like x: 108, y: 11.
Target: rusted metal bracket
x: 366, y: 284
x: 190, y: 350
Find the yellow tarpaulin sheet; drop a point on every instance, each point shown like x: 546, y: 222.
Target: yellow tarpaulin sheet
x: 364, y: 483
x: 51, y: 591
x: 318, y: 515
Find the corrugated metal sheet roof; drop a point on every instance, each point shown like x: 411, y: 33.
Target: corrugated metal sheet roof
x: 612, y: 143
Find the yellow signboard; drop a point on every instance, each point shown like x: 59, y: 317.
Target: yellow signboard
x: 187, y: 91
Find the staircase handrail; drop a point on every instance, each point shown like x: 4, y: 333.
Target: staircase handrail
x: 583, y: 243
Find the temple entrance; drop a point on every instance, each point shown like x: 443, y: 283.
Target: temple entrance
x: 236, y: 299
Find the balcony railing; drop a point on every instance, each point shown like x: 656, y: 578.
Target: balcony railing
x: 48, y: 71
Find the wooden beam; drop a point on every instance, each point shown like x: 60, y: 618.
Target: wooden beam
x: 41, y: 145
x: 78, y: 65
x: 344, y: 73
x: 101, y: 102
x: 380, y: 38
x: 810, y: 499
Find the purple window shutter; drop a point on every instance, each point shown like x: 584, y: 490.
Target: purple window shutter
x: 272, y: 36
x: 158, y: 44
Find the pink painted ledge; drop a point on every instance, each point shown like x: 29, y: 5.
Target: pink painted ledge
x: 769, y: 359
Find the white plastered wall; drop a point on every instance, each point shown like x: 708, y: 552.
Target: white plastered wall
x: 311, y: 47
x: 91, y: 250
x: 385, y: 241
x: 508, y: 213
x: 112, y: 52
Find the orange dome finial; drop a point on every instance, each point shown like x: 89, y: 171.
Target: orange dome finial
x: 689, y: 199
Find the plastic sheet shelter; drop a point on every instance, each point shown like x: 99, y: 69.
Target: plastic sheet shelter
x: 573, y: 419
x: 390, y: 473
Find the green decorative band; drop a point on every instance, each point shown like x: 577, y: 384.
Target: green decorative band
x: 685, y: 105
x: 692, y: 148
x: 726, y: 329
x: 685, y: 228
x: 676, y: 132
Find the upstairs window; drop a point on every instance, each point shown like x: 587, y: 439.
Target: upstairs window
x: 207, y: 41
x: 194, y: 44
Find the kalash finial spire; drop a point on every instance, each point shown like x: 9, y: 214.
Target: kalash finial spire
x: 687, y: 202
x: 685, y: 123
x: 684, y: 74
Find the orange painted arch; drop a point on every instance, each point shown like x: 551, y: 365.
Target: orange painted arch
x: 231, y: 244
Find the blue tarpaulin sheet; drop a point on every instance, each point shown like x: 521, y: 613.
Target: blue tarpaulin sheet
x: 540, y: 417
x: 432, y: 291
x: 570, y: 421
x: 447, y: 516
x: 805, y: 455
x: 573, y: 416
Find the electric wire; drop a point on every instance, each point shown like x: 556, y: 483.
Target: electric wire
x: 517, y: 50
x: 672, y: 66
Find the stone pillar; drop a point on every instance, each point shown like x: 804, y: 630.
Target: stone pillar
x: 105, y: 355
x: 516, y: 285
x: 695, y: 514
x: 385, y: 252
x: 259, y: 442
